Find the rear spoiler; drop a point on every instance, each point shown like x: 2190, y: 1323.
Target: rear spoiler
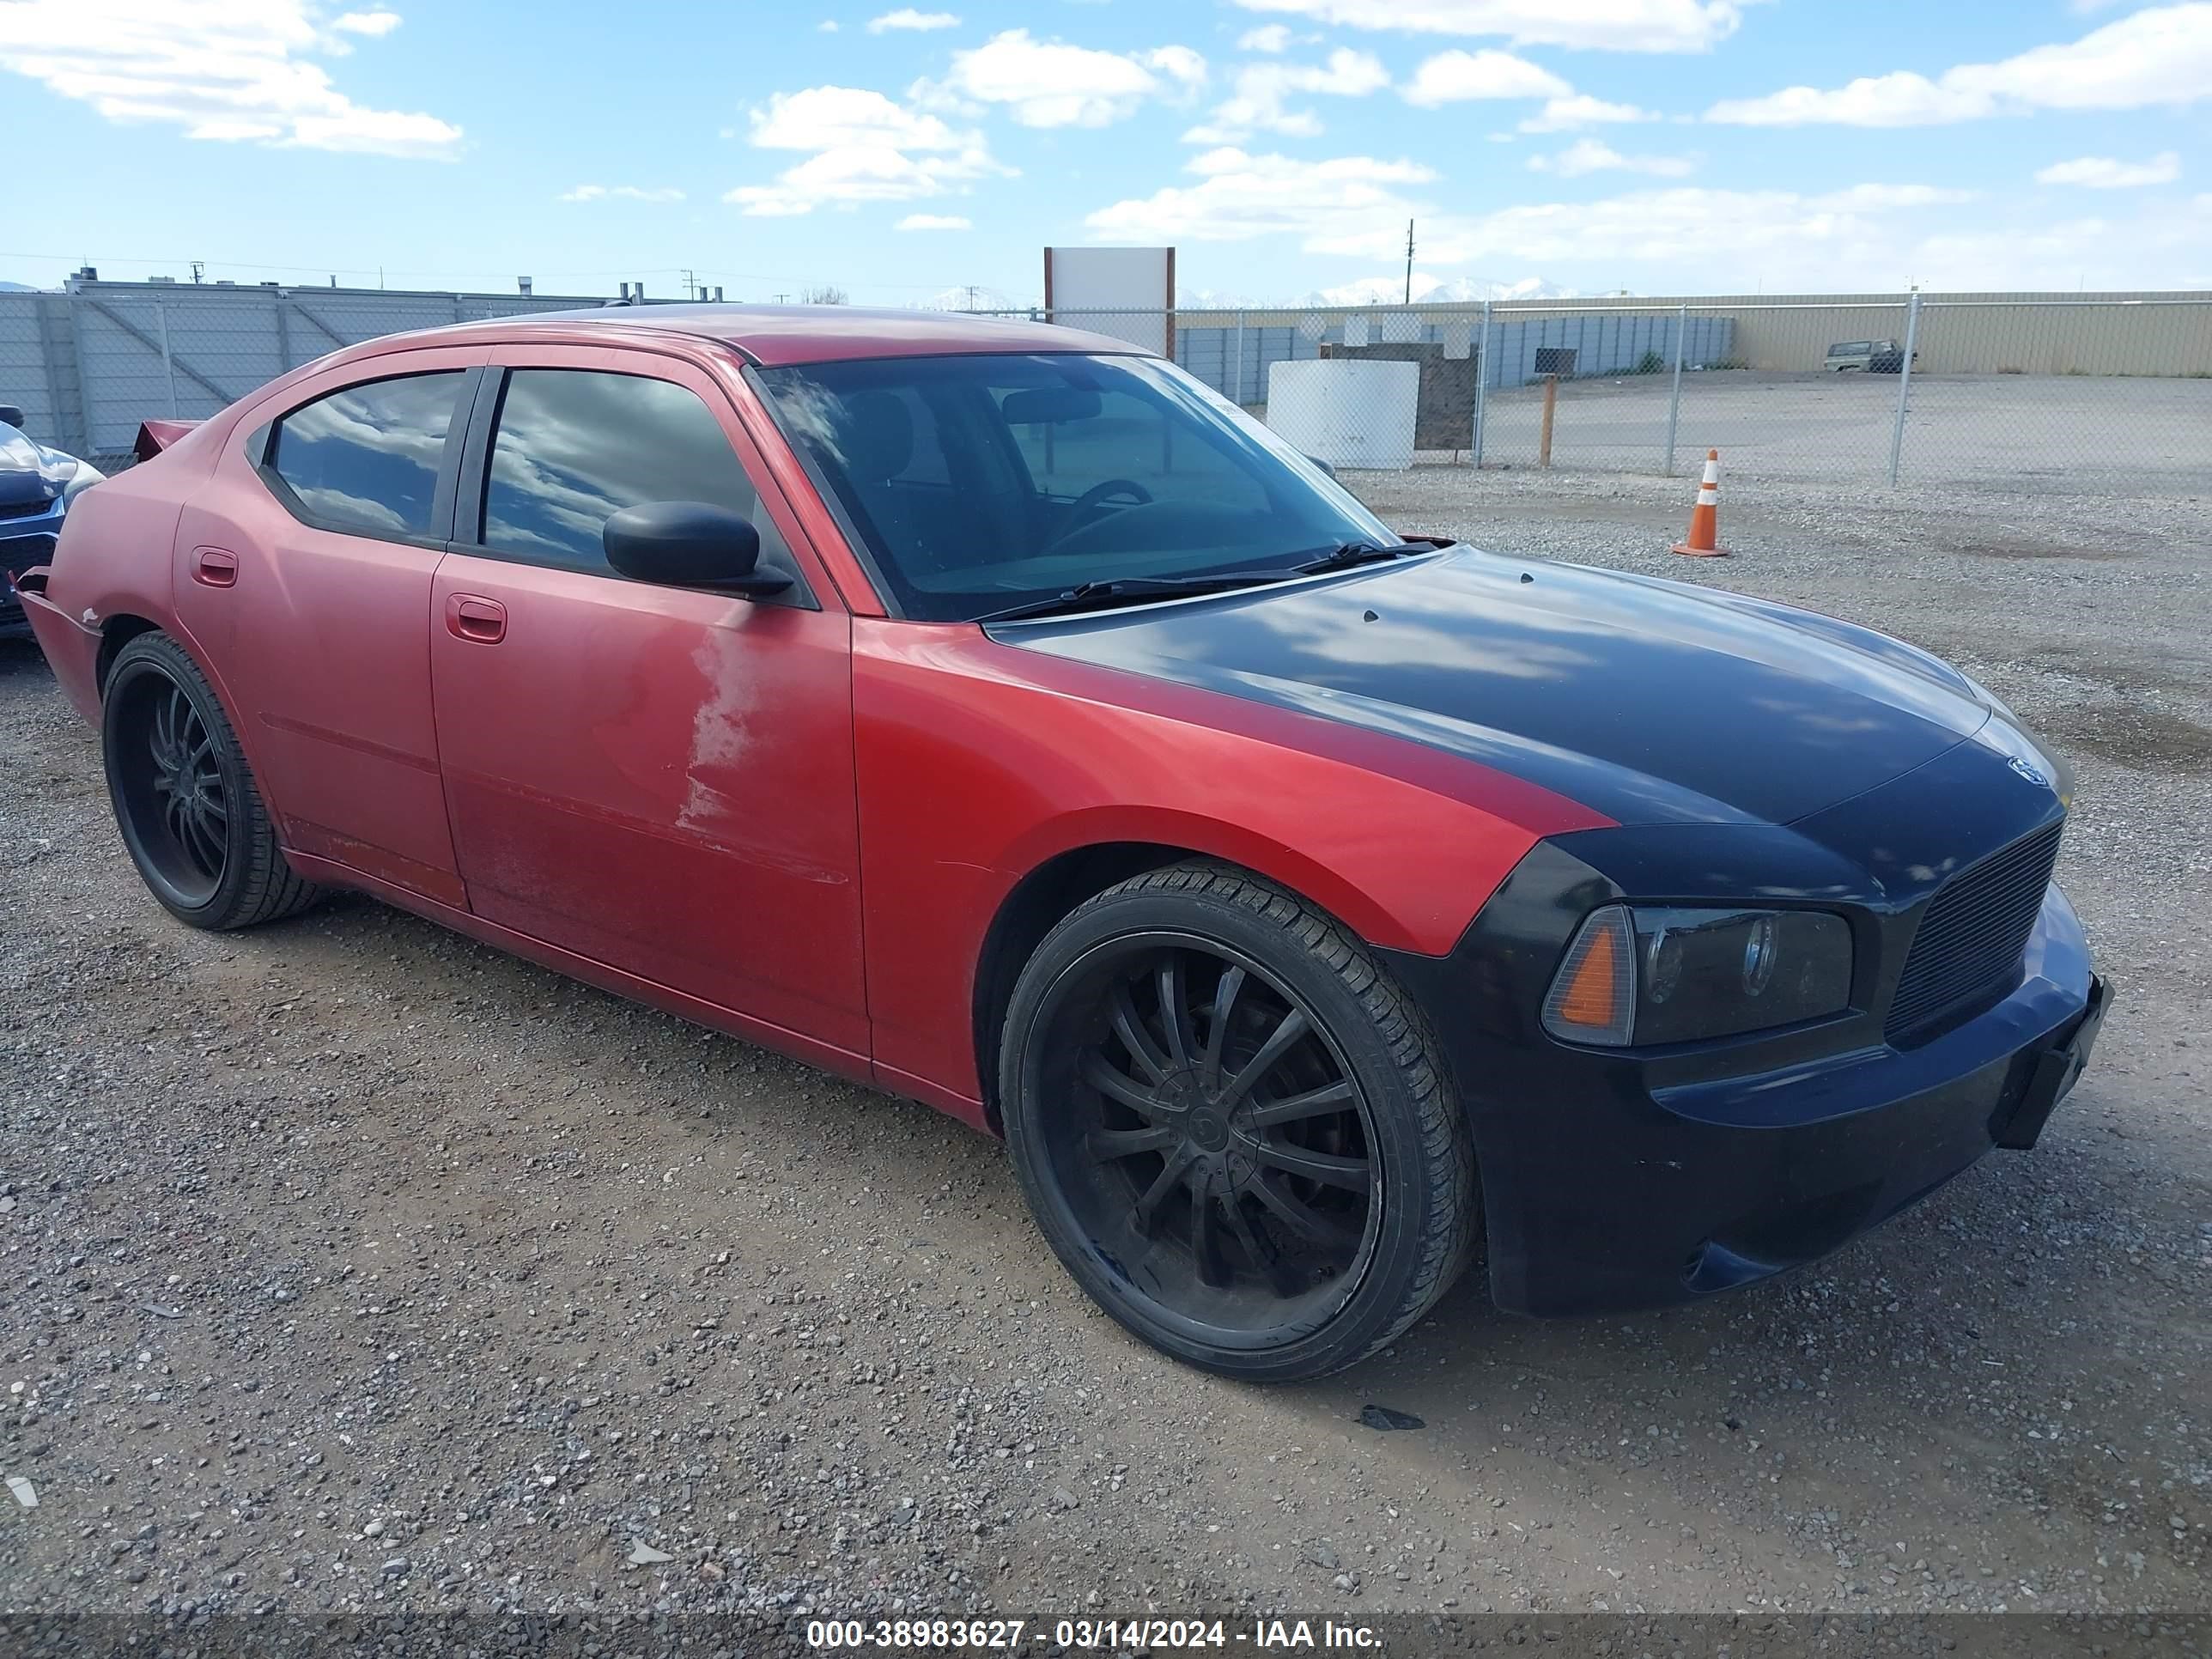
x: 154, y: 436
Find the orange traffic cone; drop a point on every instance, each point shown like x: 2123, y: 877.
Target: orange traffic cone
x: 1704, y: 537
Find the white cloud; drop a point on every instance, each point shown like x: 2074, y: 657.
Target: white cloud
x: 832, y: 118
x: 1612, y: 25
x: 2162, y: 56
x: 2103, y: 173
x: 1900, y: 99
x: 845, y: 177
x: 1568, y: 114
x: 1049, y: 84
x: 1357, y: 206
x: 1590, y: 156
x: 1268, y: 37
x: 827, y: 26
x: 1451, y: 77
x: 223, y: 72
x: 865, y: 147
x: 1240, y: 196
x: 619, y: 194
x: 1660, y: 239
x: 934, y: 221
x: 906, y: 17
x: 1257, y: 102
x: 1715, y: 236
x: 1873, y: 198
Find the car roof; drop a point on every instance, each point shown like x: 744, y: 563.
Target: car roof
x: 775, y: 336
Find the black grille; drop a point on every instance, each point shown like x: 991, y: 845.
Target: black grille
x: 25, y: 509
x: 1973, y: 934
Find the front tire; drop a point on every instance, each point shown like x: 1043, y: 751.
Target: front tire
x: 1233, y: 1127
x: 193, y: 818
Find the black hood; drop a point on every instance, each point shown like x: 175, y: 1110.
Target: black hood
x: 20, y: 482
x: 1649, y: 700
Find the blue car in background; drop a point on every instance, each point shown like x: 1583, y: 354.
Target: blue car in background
x: 36, y: 485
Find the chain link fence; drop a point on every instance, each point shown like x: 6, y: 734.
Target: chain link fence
x: 2108, y: 394
x: 88, y: 364
x: 2104, y: 395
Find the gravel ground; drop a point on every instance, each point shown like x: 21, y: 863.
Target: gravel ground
x: 348, y: 1267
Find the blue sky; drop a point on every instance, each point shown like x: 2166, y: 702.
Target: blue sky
x: 1658, y: 146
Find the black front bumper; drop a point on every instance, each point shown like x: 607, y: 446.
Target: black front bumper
x: 1614, y: 1181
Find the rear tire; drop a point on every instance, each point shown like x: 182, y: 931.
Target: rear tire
x: 1233, y: 1125
x: 191, y: 817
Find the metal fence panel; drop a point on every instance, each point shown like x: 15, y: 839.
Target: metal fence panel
x: 2027, y: 399
x: 2102, y: 392
x: 23, y: 378
x: 183, y: 358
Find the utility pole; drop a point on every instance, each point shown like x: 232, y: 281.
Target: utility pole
x: 782, y: 298
x: 199, y: 267
x: 688, y: 285
x: 1409, y: 262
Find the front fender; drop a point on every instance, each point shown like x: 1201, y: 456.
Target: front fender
x: 977, y: 764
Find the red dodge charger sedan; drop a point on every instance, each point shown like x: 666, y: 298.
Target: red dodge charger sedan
x: 991, y: 713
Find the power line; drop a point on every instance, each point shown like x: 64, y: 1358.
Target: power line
x: 483, y: 277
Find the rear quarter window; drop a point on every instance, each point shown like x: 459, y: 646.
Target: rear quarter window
x: 366, y: 459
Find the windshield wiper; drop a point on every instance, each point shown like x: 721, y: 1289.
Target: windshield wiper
x: 1098, y: 595
x: 1345, y: 555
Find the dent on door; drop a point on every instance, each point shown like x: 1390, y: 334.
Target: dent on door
x: 660, y: 779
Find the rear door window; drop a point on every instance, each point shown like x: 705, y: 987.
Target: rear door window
x: 366, y: 461
x: 575, y: 446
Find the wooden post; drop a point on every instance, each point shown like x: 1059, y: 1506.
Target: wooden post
x: 1550, y: 403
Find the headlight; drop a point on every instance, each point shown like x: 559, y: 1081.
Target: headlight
x: 1648, y: 975
x: 83, y: 478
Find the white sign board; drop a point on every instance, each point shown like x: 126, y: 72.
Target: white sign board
x: 1125, y: 292
x: 1348, y: 411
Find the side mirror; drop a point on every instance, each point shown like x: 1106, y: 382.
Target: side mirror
x: 690, y: 544
x: 1322, y: 465
x: 10, y: 415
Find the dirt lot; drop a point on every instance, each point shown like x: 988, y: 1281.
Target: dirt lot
x: 345, y: 1265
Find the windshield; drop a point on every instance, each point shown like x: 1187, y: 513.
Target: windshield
x: 979, y: 483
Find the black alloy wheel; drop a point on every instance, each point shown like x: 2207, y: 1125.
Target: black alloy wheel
x: 169, y: 793
x: 1225, y: 1164
x: 191, y: 817
x: 1245, y: 1158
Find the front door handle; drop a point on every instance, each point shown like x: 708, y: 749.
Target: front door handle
x: 213, y: 568
x: 481, y: 620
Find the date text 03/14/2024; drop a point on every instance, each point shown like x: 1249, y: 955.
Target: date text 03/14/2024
x: 1086, y: 1635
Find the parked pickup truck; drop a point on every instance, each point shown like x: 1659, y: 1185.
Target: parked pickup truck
x: 1875, y: 356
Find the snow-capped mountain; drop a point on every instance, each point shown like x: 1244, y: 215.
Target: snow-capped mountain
x: 1457, y: 290
x: 974, y: 296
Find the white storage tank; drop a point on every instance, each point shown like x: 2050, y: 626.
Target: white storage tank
x: 1349, y: 411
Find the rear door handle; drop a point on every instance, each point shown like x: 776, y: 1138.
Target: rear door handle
x: 479, y: 620
x: 213, y: 568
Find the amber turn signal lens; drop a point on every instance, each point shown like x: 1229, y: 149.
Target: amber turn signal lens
x: 1593, y: 997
